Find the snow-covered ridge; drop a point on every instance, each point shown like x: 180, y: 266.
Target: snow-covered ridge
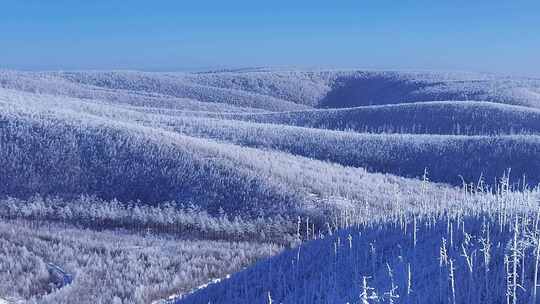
x: 156, y: 181
x: 285, y: 90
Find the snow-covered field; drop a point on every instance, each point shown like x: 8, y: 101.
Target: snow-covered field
x: 151, y: 185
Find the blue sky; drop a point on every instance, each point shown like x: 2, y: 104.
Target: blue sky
x: 485, y: 36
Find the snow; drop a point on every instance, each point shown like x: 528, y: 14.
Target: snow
x: 257, y: 155
x: 176, y: 297
x: 10, y: 301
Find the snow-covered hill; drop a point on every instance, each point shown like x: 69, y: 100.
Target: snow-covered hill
x: 245, y: 156
x: 477, y: 258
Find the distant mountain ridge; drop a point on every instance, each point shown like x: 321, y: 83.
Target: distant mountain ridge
x: 277, y: 90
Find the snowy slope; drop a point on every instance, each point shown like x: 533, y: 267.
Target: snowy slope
x: 251, y: 156
x: 438, y: 117
x: 469, y: 259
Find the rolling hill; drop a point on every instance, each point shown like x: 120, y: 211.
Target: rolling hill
x: 264, y: 158
x: 437, y: 117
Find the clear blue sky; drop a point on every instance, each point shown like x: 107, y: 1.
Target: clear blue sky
x: 492, y: 36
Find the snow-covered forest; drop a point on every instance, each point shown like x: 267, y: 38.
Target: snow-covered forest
x: 280, y: 186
